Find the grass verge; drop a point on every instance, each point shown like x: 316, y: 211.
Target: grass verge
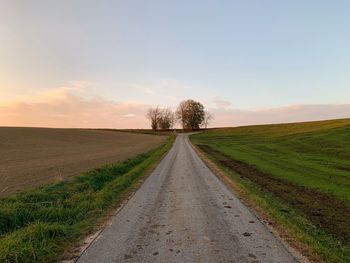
x: 294, y: 174
x: 38, y: 225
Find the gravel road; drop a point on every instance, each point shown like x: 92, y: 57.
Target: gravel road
x: 184, y: 213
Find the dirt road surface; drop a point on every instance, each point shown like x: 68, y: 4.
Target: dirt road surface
x: 184, y: 213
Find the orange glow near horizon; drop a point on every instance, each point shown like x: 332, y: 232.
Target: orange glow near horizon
x: 70, y: 107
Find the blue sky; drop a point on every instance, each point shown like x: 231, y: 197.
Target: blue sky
x: 246, y: 55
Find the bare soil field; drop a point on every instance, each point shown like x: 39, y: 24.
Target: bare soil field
x: 31, y: 157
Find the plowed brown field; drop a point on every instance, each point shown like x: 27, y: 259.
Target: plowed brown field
x: 35, y: 156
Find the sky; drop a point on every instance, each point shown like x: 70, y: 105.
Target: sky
x: 84, y: 63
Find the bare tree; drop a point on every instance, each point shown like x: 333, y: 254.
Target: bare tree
x: 208, y: 117
x: 181, y: 113
x: 166, y: 120
x: 191, y: 114
x: 153, y: 114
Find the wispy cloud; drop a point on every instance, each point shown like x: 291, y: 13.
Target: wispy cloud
x: 292, y: 113
x: 129, y: 115
x: 163, y: 92
x: 73, y: 106
x: 219, y: 104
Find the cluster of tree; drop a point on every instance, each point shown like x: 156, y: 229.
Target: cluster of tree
x: 190, y: 114
x: 161, y: 119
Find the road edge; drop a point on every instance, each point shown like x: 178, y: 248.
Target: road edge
x: 83, y: 244
x: 261, y: 215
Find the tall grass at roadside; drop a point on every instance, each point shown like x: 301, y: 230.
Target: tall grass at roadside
x: 37, y: 226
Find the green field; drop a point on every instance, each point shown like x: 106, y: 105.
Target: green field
x: 298, y: 173
x: 40, y: 225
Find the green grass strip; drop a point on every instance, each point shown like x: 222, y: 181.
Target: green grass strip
x: 298, y: 174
